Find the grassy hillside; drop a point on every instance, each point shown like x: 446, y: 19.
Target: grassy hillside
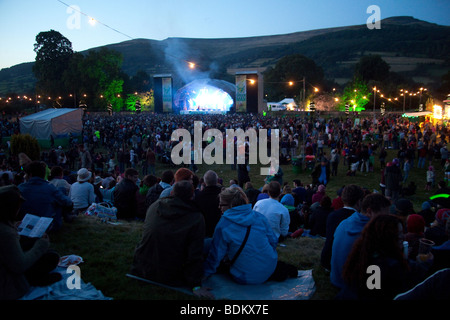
x: 412, y: 47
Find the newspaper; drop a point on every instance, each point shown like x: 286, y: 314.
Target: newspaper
x: 33, y: 226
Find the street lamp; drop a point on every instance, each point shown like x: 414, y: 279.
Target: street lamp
x: 374, y: 99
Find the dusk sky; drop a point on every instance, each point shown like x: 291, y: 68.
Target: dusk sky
x: 118, y: 21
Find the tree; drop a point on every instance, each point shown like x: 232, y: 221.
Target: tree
x: 27, y: 144
x: 292, y: 68
x: 356, y: 94
x: 53, y: 54
x: 371, y: 67
x: 140, y: 82
x: 101, y: 78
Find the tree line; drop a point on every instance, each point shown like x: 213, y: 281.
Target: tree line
x: 94, y: 80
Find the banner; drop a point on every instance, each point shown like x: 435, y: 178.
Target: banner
x: 241, y: 93
x: 167, y: 94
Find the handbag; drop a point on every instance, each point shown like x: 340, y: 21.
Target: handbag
x: 103, y: 210
x: 225, y: 265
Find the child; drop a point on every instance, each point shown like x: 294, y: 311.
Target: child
x: 430, y: 178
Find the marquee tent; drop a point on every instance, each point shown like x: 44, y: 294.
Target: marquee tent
x: 56, y: 122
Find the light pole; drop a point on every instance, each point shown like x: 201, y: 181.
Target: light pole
x: 404, y: 100
x: 374, y: 99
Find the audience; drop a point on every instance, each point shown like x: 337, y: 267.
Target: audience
x: 341, y: 224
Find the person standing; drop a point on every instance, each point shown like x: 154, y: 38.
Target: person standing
x: 151, y: 161
x: 334, y: 161
x: 393, y: 177
x: 85, y: 158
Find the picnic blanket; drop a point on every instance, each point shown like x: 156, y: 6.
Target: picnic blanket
x: 224, y: 288
x: 61, y: 290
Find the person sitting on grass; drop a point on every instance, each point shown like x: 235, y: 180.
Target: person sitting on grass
x: 24, y: 261
x: 171, y: 249
x: 242, y: 227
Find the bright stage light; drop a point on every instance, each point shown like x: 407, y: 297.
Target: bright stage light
x: 210, y: 99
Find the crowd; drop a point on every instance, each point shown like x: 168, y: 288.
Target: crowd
x: 197, y: 226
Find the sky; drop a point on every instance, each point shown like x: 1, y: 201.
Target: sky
x: 117, y: 21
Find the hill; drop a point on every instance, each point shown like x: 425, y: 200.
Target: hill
x: 413, y: 48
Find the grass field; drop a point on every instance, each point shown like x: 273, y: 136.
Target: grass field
x: 107, y: 250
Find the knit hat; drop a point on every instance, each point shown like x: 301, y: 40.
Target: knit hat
x: 321, y: 188
x: 426, y: 205
x: 442, y: 216
x: 288, y: 200
x: 395, y: 162
x: 416, y: 223
x: 183, y: 174
x: 83, y: 175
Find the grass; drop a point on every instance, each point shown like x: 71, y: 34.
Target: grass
x: 107, y: 250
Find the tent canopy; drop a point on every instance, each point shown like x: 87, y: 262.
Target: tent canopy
x: 56, y: 122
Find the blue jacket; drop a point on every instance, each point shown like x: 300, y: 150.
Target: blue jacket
x: 345, y: 236
x: 259, y: 257
x: 44, y: 200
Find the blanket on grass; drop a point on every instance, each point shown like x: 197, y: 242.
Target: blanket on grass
x: 224, y: 288
x: 61, y: 289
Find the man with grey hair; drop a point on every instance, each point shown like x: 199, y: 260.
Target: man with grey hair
x: 207, y: 201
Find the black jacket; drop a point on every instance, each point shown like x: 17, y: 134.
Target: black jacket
x: 171, y: 249
x: 125, y: 199
x: 393, y: 176
x: 207, y: 202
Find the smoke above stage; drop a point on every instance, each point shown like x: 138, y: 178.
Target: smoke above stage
x: 205, y: 96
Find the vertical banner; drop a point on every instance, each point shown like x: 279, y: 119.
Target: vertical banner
x: 241, y: 93
x: 167, y: 94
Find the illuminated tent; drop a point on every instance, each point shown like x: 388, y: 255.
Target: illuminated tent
x: 206, y: 95
x: 417, y: 116
x: 56, y: 122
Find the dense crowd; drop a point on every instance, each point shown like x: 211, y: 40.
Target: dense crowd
x: 115, y: 161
